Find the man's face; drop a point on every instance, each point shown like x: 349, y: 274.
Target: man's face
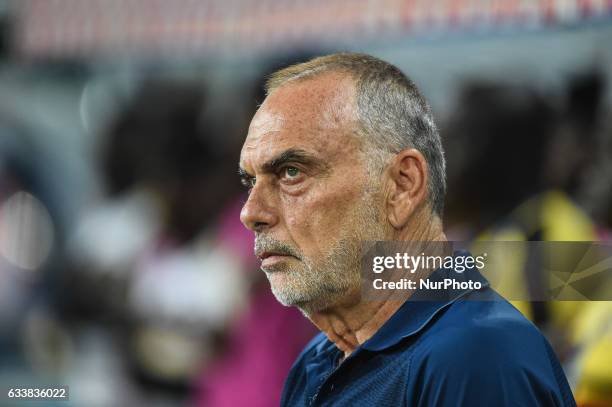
x: 312, y: 202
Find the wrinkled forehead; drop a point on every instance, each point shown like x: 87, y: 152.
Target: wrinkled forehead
x: 317, y: 115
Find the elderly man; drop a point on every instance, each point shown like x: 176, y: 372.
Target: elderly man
x: 344, y: 150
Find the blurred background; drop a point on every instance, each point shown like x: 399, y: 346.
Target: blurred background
x: 124, y: 270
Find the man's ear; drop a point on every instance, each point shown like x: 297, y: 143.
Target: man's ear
x: 408, y: 186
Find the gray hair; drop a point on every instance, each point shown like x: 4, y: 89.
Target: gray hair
x: 392, y: 113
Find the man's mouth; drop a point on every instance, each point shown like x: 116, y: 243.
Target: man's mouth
x: 269, y: 258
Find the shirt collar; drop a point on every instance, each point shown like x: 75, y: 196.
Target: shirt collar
x: 416, y: 313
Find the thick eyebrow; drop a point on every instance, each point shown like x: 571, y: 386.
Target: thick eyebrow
x: 291, y: 155
x: 273, y: 165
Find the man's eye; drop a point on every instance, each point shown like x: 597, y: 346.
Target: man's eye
x: 291, y: 172
x: 248, y: 182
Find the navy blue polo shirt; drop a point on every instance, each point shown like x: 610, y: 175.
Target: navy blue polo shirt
x: 461, y: 348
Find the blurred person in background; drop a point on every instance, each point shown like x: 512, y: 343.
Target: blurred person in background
x: 592, y: 327
x: 513, y: 135
x: 547, y: 153
x: 149, y: 262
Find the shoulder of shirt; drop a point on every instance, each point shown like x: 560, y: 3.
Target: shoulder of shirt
x: 486, y: 349
x: 474, y: 331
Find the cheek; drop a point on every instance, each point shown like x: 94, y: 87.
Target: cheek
x: 314, y: 219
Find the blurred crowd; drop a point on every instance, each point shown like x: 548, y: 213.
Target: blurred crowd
x: 152, y: 295
x: 148, y: 292
x: 527, y: 167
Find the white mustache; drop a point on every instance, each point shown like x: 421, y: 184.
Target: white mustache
x: 267, y: 244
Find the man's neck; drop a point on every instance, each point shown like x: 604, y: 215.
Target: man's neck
x: 353, y: 322
x: 350, y: 326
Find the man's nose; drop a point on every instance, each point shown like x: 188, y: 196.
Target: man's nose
x: 258, y: 214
